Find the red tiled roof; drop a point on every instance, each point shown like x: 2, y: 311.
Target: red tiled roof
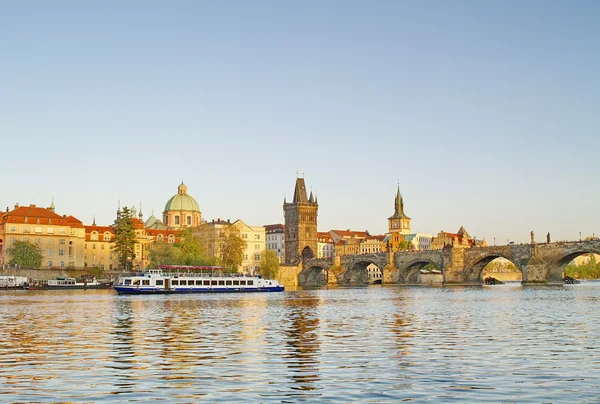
x: 350, y: 233
x: 272, y: 228
x: 35, y: 215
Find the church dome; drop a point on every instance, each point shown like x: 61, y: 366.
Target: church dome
x: 182, y: 201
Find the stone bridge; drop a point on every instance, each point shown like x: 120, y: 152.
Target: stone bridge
x: 538, y: 263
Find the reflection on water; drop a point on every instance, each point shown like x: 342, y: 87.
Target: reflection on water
x: 386, y: 344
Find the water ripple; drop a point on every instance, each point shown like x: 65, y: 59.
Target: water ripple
x: 375, y: 344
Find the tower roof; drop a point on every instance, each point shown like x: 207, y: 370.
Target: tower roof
x: 399, y: 207
x: 300, y: 191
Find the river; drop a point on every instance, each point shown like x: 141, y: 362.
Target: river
x: 375, y: 344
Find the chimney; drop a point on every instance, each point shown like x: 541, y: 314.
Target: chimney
x: 16, y: 205
x: 32, y: 205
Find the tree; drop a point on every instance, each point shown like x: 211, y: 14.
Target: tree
x: 125, y: 238
x: 232, y: 248
x: 162, y: 253
x: 192, y: 250
x: 269, y: 264
x: 26, y: 254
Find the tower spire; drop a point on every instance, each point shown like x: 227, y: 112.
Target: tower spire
x: 94, y: 222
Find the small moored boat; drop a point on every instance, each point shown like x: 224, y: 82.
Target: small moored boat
x: 189, y: 279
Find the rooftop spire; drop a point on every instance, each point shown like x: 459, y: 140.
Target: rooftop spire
x: 94, y: 222
x: 399, y: 206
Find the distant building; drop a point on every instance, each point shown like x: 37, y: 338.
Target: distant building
x: 459, y: 239
x: 275, y: 239
x: 325, y: 245
x: 347, y: 242
x: 300, y: 225
x: 420, y: 241
x: 215, y: 232
x: 372, y: 244
x: 61, y: 238
x: 182, y: 210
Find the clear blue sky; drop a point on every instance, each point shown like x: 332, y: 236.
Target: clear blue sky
x: 487, y: 113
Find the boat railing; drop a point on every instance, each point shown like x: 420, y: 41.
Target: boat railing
x: 187, y: 274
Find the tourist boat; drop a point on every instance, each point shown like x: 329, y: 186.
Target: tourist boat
x: 63, y: 283
x: 192, y: 279
x: 14, y: 282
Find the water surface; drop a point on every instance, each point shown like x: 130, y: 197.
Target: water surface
x: 377, y: 344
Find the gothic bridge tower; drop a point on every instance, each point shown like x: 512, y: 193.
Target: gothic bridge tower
x: 300, y: 225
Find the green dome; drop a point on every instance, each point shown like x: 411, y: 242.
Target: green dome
x: 182, y: 201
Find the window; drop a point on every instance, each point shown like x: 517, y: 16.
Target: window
x: 221, y: 283
x: 198, y: 283
x: 213, y: 283
x: 146, y: 282
x: 61, y: 241
x: 256, y: 257
x: 26, y: 230
x: 189, y: 220
x: 38, y: 240
x: 38, y: 229
x: 106, y: 236
x: 85, y: 246
x: 62, y: 230
x: 93, y: 246
x: 62, y: 264
x: 257, y: 247
x: 103, y: 246
x: 250, y: 283
x: 257, y: 236
x: 206, y: 283
x: 244, y: 236
x: 236, y: 283
x: 183, y: 283
x: 245, y: 257
x: 50, y: 230
x: 49, y: 264
x: 228, y: 283
x: 49, y: 253
x: 175, y: 282
x: 176, y: 219
x: 61, y: 252
x: 13, y: 228
x: 159, y: 282
x: 243, y: 283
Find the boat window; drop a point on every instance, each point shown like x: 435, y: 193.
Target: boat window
x: 242, y: 282
x: 127, y: 281
x: 213, y: 283
x: 159, y: 282
x: 228, y: 283
x: 198, y: 283
x: 207, y: 282
x: 236, y: 283
x: 182, y: 282
x: 146, y: 282
x: 250, y: 282
x: 175, y: 282
x: 221, y: 282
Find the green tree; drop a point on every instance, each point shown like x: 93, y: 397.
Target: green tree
x: 589, y: 269
x: 192, y: 249
x: 269, y: 264
x: 25, y: 253
x: 125, y: 240
x: 232, y: 247
x: 161, y: 253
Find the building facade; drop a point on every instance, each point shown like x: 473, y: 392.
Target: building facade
x: 325, y: 245
x: 275, y: 239
x: 300, y: 225
x: 61, y: 238
x: 213, y: 236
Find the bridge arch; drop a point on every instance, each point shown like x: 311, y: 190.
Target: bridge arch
x: 357, y: 272
x: 557, y: 267
x: 473, y: 273
x: 412, y: 270
x: 314, y: 276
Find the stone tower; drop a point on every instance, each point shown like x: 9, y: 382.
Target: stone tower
x: 300, y: 225
x: 399, y: 222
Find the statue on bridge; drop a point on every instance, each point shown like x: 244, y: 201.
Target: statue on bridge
x: 532, y: 237
x: 548, y: 238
